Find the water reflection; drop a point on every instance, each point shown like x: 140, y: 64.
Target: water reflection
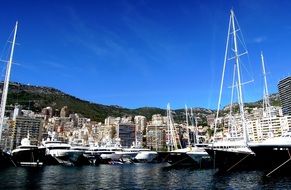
x: 136, y: 176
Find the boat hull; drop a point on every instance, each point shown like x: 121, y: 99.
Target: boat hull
x: 191, y: 159
x: 181, y: 159
x: 146, y: 157
x: 201, y: 159
x: 227, y: 160
x: 66, y: 157
x: 269, y: 157
x: 29, y: 157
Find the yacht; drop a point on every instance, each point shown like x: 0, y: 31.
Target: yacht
x: 27, y: 154
x: 228, y: 155
x: 129, y: 154
x: 58, y: 152
x: 146, y: 156
x: 273, y: 154
x: 103, y: 154
x: 108, y: 154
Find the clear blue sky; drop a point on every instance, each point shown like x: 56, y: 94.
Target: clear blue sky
x: 136, y: 53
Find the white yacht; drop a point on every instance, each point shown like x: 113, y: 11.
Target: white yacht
x: 104, y: 154
x: 61, y: 152
x: 146, y: 156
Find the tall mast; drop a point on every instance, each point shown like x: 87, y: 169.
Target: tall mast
x: 266, y: 100
x: 6, y: 82
x: 231, y: 117
x: 241, y: 105
x: 173, y: 133
x: 168, y: 128
x: 187, y: 125
x: 266, y: 92
x: 194, y: 122
x: 196, y: 132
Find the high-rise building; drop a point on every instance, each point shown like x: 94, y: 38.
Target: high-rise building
x: 22, y: 126
x: 126, y: 133
x: 284, y: 87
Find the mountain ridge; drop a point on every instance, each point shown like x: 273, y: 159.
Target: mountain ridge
x: 37, y: 97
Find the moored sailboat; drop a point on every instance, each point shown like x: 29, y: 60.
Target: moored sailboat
x: 273, y: 153
x: 191, y: 156
x: 5, y: 158
x: 232, y: 152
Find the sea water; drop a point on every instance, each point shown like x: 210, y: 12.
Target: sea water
x: 135, y: 176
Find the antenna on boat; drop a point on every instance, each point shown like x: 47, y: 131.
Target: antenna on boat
x: 6, y: 82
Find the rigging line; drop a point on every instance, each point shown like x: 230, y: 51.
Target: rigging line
x: 222, y: 78
x: 247, y: 65
x: 245, y: 47
x: 245, y: 68
x: 240, y: 31
x: 4, y: 49
x: 6, y: 44
x: 242, y: 41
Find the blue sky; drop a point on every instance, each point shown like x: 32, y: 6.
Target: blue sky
x: 136, y: 53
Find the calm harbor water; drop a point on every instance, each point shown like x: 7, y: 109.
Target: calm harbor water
x: 135, y: 176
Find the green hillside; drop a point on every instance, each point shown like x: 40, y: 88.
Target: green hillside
x: 36, y: 97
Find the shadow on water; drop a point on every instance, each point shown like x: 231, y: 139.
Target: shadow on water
x: 251, y: 179
x: 21, y: 178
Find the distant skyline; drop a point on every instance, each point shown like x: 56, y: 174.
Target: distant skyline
x: 136, y: 53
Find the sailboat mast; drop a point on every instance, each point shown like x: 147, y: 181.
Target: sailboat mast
x: 266, y: 92
x: 187, y: 125
x: 168, y: 128
x: 241, y: 106
x: 6, y: 82
x: 266, y: 100
x: 231, y: 118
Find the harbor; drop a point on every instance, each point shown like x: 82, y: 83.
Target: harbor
x: 56, y: 138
